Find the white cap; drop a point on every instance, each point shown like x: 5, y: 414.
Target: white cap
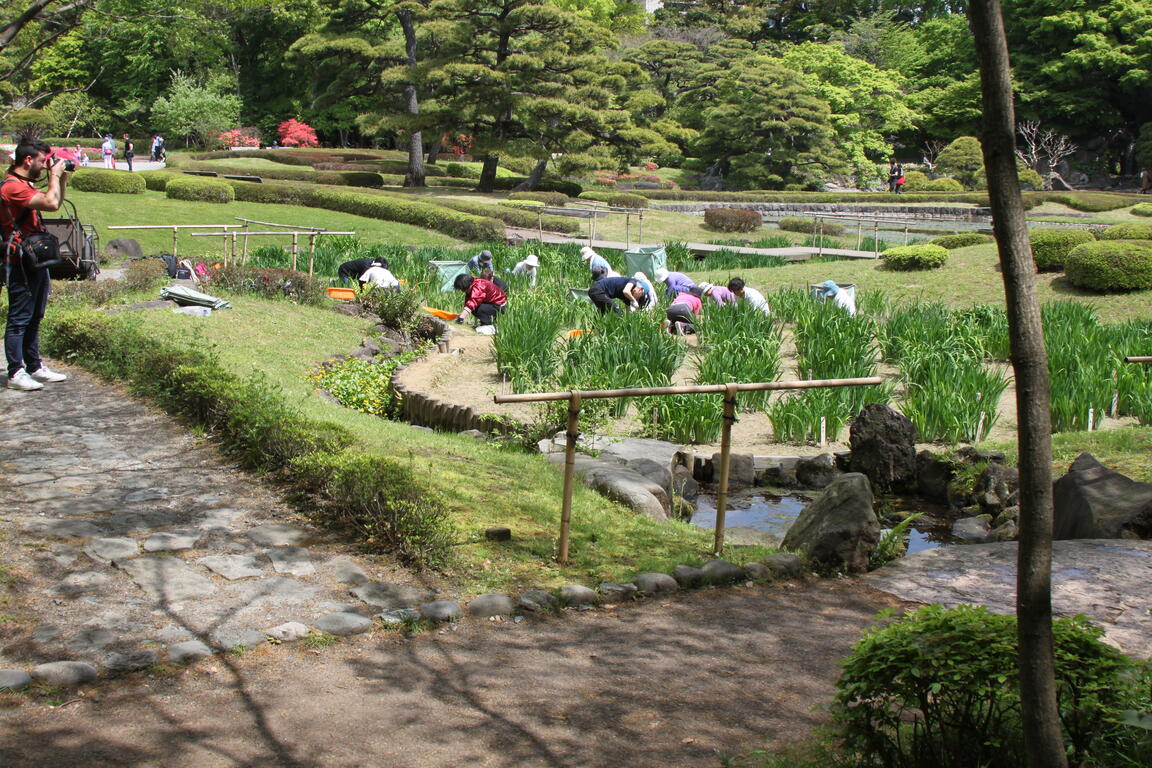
x: 641, y: 277
x: 531, y: 260
x: 661, y: 275
x: 587, y: 253
x: 705, y: 287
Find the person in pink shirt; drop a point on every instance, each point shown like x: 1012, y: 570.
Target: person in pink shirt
x: 682, y: 313
x: 718, y: 293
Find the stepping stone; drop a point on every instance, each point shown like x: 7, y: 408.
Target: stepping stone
x: 616, y: 592
x: 231, y: 639
x: 278, y: 535
x: 343, y: 624
x: 67, y: 673
x: 348, y: 571
x: 180, y: 653
x: 171, y: 541
x: 107, y: 550
x: 167, y: 578
x: 231, y: 567
x: 147, y: 494
x: 578, y: 594
x: 293, y: 561
x: 131, y: 661
x: 399, y: 615
x: 85, y: 581
x: 492, y: 604
x: 329, y: 606
x: 65, y: 529
x: 91, y: 640
x: 688, y: 577
x: 388, y: 596
x: 14, y: 680
x: 538, y: 600
x: 722, y: 572
x: 287, y: 632
x: 441, y: 610
x: 655, y: 583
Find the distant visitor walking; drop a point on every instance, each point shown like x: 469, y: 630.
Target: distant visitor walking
x: 108, y: 150
x: 129, y: 151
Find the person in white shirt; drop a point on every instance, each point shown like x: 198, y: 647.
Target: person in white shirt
x: 108, y: 151
x: 380, y: 276
x: 527, y: 267
x: 839, y: 295
x: 749, y: 295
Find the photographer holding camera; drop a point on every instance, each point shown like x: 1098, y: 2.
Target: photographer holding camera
x: 28, y: 252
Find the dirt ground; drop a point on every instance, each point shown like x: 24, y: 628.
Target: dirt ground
x: 674, y: 682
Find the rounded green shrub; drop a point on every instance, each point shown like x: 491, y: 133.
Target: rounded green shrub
x: 112, y: 182
x: 1030, y: 179
x: 1111, y: 265
x: 943, y: 184
x: 915, y: 181
x: 732, y: 219
x: 547, y: 198
x: 461, y: 171
x: 157, y: 181
x: 1136, y: 230
x: 960, y: 240
x: 909, y: 257
x: 200, y: 190
x: 628, y: 201
x: 796, y: 224
x: 1142, y: 209
x: 1051, y: 246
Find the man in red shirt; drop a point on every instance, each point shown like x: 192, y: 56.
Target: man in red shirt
x: 481, y: 298
x: 20, y: 207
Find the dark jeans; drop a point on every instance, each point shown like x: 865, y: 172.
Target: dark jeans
x: 27, y: 298
x: 598, y: 296
x: 485, y: 314
x: 682, y: 313
x: 128, y: 158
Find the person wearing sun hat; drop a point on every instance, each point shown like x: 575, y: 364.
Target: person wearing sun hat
x: 527, y: 267
x: 830, y: 290
x: 718, y: 293
x: 596, y: 261
x: 642, y: 278
x: 480, y: 262
x: 674, y: 282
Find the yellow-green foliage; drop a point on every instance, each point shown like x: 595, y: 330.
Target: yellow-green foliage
x: 112, y: 182
x: 1111, y: 265
x: 199, y: 190
x: 910, y: 257
x: 1134, y: 230
x: 1050, y: 247
x: 1142, y: 209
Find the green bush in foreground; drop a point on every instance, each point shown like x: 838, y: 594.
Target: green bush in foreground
x: 269, y: 283
x: 1111, y: 265
x: 111, y: 182
x: 960, y: 240
x: 1142, y: 209
x: 1133, y: 230
x: 157, y: 181
x: 809, y: 226
x: 199, y: 190
x: 943, y: 184
x: 732, y: 219
x: 1050, y: 247
x: 939, y: 689
x: 909, y: 257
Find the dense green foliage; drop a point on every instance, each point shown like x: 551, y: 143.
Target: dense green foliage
x: 1050, y: 247
x: 910, y: 257
x: 732, y: 219
x: 1142, y: 209
x: 960, y: 240
x: 199, y: 190
x: 811, y: 226
x: 100, y: 180
x: 1135, y: 230
x: 1111, y: 265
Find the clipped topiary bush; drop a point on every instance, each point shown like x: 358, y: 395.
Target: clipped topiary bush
x: 909, y: 257
x: 1030, y: 179
x: 461, y: 171
x: 915, y: 181
x: 628, y: 201
x: 1142, y: 209
x: 943, y: 184
x: 1135, y: 230
x: 796, y: 224
x: 111, y: 182
x: 1051, y: 246
x: 599, y: 197
x: 200, y: 190
x: 960, y: 240
x: 548, y: 198
x: 157, y: 181
x: 732, y: 219
x: 1111, y: 265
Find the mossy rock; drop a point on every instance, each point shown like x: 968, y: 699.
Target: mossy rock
x: 1050, y: 247
x: 910, y: 257
x: 200, y: 190
x: 111, y: 182
x: 1111, y: 266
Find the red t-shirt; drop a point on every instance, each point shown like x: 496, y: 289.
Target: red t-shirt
x: 16, y: 193
x: 484, y: 292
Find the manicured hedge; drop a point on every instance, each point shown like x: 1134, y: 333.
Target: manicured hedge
x: 915, y: 181
x: 448, y: 181
x: 514, y: 217
x: 796, y: 224
x: 308, y: 157
x: 598, y: 197
x: 1135, y: 230
x: 628, y: 201
x: 461, y: 171
x: 944, y: 184
x: 200, y: 190
x: 909, y: 257
x: 570, y: 188
x: 338, y: 178
x: 1050, y: 247
x: 112, y: 182
x: 1142, y: 209
x: 960, y: 240
x: 157, y: 181
x: 548, y: 198
x: 1089, y: 202
x: 386, y: 206
x: 732, y: 219
x: 1111, y: 265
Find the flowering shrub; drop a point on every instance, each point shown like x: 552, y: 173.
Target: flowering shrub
x: 613, y: 180
x: 649, y: 165
x: 294, y: 133
x: 459, y: 144
x: 239, y: 137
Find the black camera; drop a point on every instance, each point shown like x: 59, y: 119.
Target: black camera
x: 69, y: 166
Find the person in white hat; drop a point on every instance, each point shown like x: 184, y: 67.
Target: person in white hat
x: 842, y: 298
x: 597, y: 262
x: 674, y: 282
x: 527, y: 267
x: 717, y: 293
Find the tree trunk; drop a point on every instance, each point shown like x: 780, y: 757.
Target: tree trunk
x: 488, y: 173
x: 1043, y: 740
x: 415, y: 175
x: 533, y: 179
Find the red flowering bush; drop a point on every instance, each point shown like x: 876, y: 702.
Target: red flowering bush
x: 460, y: 144
x: 294, y: 133
x: 239, y: 137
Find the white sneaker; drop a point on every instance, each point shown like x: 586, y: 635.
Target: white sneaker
x: 47, y: 375
x: 21, y: 380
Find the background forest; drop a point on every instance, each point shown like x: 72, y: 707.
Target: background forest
x: 770, y: 95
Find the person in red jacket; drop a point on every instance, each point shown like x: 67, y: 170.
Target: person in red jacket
x: 482, y: 298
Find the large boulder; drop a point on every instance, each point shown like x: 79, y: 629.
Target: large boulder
x: 839, y: 530
x: 741, y: 470
x: 883, y: 447
x: 1093, y: 502
x: 933, y: 474
x: 620, y: 483
x: 817, y: 471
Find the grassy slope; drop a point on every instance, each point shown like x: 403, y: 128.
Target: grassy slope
x: 102, y: 210
x: 485, y: 486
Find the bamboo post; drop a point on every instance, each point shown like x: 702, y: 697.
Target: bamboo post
x: 244, y: 247
x: 979, y: 428
x: 859, y: 233
x: 1091, y: 418
x: 175, y: 235
x: 820, y: 238
x: 311, y: 252
x: 823, y: 431
x: 295, y: 249
x: 540, y: 226
x: 627, y: 230
x: 725, y: 464
x: 1138, y: 359
x: 876, y: 238
x: 905, y: 234
x: 571, y: 436
x: 640, y: 234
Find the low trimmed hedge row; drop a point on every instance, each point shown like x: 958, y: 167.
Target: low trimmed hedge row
x: 199, y: 190
x: 1111, y: 265
x: 960, y: 240
x: 111, y: 182
x: 547, y: 198
x: 911, y: 257
x: 1133, y: 230
x: 1050, y: 247
x: 627, y: 201
x: 157, y: 181
x: 449, y: 181
x: 732, y: 219
x: 514, y: 217
x: 1142, y: 209
x: 339, y: 178
x: 810, y: 226
x: 597, y: 197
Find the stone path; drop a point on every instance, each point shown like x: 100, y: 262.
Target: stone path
x: 127, y: 538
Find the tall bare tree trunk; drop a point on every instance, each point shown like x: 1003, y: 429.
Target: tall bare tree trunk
x: 1043, y: 741
x: 488, y: 173
x: 533, y: 179
x: 415, y: 175
x: 434, y: 151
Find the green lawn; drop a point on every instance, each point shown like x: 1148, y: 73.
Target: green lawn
x: 101, y: 210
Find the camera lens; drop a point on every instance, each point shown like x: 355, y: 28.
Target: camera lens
x: 69, y: 166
